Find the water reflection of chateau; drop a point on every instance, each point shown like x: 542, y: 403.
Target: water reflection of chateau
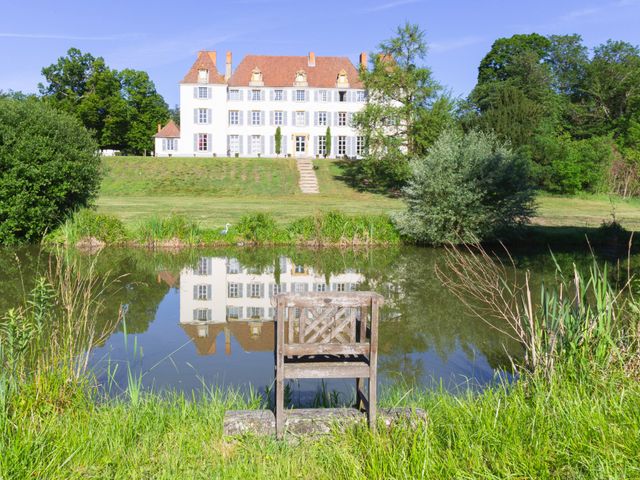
x: 221, y: 296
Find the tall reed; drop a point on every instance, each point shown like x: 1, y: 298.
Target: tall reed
x: 579, y: 318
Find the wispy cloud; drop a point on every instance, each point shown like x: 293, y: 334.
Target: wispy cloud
x: 455, y: 44
x: 390, y: 5
x: 53, y: 36
x: 587, y: 12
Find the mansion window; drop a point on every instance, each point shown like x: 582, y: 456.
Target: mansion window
x: 278, y: 117
x: 203, y: 142
x: 256, y: 95
x: 255, y: 290
x: 203, y: 115
x: 361, y: 96
x: 170, y: 144
x: 202, y: 314
x: 322, y: 119
x: 234, y: 144
x: 300, y: 119
x: 234, y: 313
x: 319, y: 287
x: 359, y: 146
x: 202, y: 292
x: 342, y: 96
x: 299, y: 288
x: 234, y: 94
x: 233, y: 265
x: 234, y: 290
x: 322, y: 145
x: 255, y: 312
x: 323, y: 95
x: 276, y: 288
x: 203, y: 92
x: 300, y: 96
x: 256, y: 117
x: 234, y: 117
x: 278, y: 95
x: 342, y: 145
x: 203, y: 76
x: 204, y: 266
x: 342, y: 119
x: 256, y: 144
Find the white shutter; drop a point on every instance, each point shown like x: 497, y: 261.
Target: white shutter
x: 195, y: 115
x: 284, y: 95
x: 315, y: 95
x: 261, y: 144
x: 283, y: 146
x: 228, y: 145
x: 306, y: 119
x: 195, y: 142
x: 315, y: 119
x: 209, y: 139
x: 240, y: 117
x: 316, y: 145
x: 284, y: 117
x: 195, y: 92
x: 271, y: 117
x: 262, y: 115
x: 164, y: 144
x: 272, y: 94
x: 272, y: 145
x: 240, y: 145
x: 335, y: 118
x: 209, y: 116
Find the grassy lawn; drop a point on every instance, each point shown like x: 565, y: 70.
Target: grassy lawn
x: 215, y: 191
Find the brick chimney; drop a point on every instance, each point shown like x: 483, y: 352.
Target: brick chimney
x: 312, y: 59
x: 227, y: 70
x: 159, y: 127
x: 363, y: 60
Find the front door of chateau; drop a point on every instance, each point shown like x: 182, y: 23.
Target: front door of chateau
x: 301, y: 145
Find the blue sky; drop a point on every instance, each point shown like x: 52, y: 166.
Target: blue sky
x: 163, y: 36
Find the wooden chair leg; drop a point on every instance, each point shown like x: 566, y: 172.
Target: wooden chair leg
x: 373, y: 401
x: 279, y: 410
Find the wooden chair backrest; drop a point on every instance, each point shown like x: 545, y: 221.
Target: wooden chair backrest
x: 327, y: 323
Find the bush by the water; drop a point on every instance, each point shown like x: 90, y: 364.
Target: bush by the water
x: 469, y: 187
x: 49, y: 167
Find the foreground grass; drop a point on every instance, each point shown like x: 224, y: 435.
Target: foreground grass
x: 566, y: 428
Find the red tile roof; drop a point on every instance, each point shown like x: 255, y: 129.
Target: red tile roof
x: 206, y: 61
x: 280, y: 71
x: 170, y: 130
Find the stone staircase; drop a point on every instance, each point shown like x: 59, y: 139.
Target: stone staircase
x: 308, y: 180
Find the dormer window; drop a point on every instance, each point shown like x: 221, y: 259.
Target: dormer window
x: 342, y: 80
x: 300, y: 79
x: 256, y: 78
x: 203, y: 76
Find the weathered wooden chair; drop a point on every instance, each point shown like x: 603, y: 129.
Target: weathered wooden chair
x: 327, y: 335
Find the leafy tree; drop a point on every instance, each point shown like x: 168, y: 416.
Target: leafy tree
x: 405, y: 111
x: 48, y: 168
x: 122, y: 109
x: 327, y: 142
x: 146, y: 108
x: 278, y: 141
x: 468, y: 187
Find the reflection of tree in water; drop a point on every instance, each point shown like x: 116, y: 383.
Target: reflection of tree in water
x: 402, y: 369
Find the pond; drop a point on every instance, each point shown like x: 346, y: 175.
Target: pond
x: 205, y: 317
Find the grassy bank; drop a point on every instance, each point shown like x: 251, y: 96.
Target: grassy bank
x: 88, y: 228
x: 568, y: 428
x: 574, y: 417
x: 216, y: 191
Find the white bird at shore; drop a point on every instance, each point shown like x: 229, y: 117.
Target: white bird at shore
x: 226, y: 229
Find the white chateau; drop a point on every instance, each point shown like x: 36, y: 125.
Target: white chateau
x: 236, y: 114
